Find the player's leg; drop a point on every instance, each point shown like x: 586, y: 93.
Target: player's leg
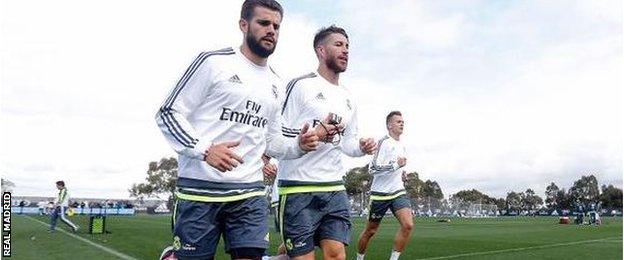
x: 67, y: 221
x: 366, y: 235
x: 403, y: 212
x: 54, y: 218
x: 377, y: 210
x: 299, y: 221
x: 246, y: 229
x: 407, y: 224
x: 333, y: 249
x: 197, y: 229
x: 334, y: 231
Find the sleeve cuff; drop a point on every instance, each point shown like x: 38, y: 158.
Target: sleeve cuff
x: 198, y: 152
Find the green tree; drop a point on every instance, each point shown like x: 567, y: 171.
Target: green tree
x: 356, y: 178
x: 501, y: 203
x: 160, y: 181
x: 585, y: 190
x: 472, y: 196
x: 551, y: 196
x: 431, y: 189
x: 611, y: 197
x: 514, y: 201
x: 530, y: 201
x: 414, y: 186
x: 564, y: 200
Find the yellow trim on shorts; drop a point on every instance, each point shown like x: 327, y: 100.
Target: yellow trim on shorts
x: 311, y: 188
x: 201, y: 198
x: 387, y: 197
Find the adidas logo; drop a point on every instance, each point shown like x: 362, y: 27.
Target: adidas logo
x: 235, y: 79
x: 320, y: 96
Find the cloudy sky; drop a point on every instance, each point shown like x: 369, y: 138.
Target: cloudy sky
x: 496, y: 95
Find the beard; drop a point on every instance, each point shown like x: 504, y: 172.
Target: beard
x: 332, y: 64
x: 257, y: 48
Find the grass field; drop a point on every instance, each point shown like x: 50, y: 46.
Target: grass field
x: 144, y: 236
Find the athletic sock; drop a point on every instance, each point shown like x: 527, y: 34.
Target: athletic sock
x: 395, y: 255
x: 360, y: 256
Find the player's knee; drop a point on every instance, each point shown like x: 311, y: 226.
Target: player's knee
x: 407, y: 227
x: 336, y: 255
x: 371, y: 232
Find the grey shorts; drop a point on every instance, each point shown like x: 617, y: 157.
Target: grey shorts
x: 378, y: 208
x: 308, y: 218
x: 198, y: 226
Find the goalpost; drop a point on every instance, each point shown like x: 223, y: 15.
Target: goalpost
x: 477, y: 210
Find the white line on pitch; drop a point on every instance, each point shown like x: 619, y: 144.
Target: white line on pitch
x: 517, y: 249
x: 106, y: 249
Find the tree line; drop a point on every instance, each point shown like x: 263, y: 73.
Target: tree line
x: 162, y: 175
x: 584, y: 191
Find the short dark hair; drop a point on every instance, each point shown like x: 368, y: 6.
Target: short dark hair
x: 60, y: 183
x: 247, y: 9
x: 393, y: 113
x: 326, y: 31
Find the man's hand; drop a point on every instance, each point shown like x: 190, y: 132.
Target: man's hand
x: 328, y: 128
x: 221, y: 157
x: 270, y: 171
x: 368, y: 145
x: 402, y: 161
x: 404, y: 176
x: 308, y: 141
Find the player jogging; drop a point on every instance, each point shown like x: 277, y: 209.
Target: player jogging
x: 387, y: 189
x: 313, y: 206
x: 220, y: 118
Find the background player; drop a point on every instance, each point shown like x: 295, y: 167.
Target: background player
x: 387, y: 189
x: 61, y: 204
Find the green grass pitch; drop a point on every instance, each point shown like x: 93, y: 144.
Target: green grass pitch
x: 144, y: 236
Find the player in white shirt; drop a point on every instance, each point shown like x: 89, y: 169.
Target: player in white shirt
x: 220, y: 118
x: 61, y: 204
x: 387, y: 189
x: 313, y: 206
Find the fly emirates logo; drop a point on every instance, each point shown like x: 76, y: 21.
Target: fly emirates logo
x: 248, y: 117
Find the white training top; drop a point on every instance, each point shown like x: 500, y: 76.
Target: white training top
x: 63, y: 198
x: 309, y: 99
x: 222, y: 97
x: 387, y: 175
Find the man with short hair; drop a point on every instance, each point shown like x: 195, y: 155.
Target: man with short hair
x: 387, y: 189
x: 61, y: 204
x: 314, y: 208
x: 226, y: 108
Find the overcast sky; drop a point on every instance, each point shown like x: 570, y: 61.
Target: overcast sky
x: 496, y: 95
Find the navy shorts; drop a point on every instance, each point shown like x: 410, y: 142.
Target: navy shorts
x: 378, y: 208
x: 198, y: 226
x: 308, y: 218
